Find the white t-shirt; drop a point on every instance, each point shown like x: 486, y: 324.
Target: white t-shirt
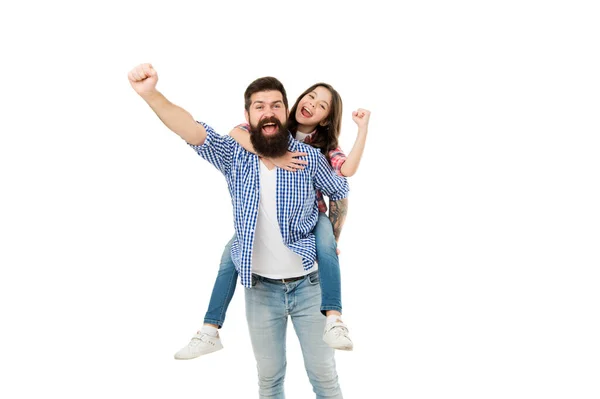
x: 270, y: 257
x: 301, y: 136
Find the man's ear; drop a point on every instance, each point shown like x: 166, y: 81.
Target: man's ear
x: 247, y: 116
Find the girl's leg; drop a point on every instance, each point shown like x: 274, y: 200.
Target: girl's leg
x: 329, y: 266
x: 207, y: 339
x: 336, y: 332
x: 223, y: 289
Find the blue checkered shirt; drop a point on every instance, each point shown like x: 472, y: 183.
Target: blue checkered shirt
x: 297, y: 210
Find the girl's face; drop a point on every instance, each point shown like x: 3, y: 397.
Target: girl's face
x: 314, y: 107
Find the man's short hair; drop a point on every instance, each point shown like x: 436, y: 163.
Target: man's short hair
x: 268, y: 83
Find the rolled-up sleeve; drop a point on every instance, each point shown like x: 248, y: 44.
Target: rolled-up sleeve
x: 332, y: 185
x: 337, y: 159
x: 216, y: 149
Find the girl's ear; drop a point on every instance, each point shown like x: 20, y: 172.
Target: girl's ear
x: 324, y: 123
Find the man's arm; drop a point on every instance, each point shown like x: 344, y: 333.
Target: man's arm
x: 326, y: 180
x: 143, y: 79
x: 337, y: 216
x: 336, y: 188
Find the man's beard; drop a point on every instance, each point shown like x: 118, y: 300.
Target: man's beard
x: 271, y: 146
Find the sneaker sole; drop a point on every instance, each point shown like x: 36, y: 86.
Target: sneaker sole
x: 195, y: 357
x: 344, y: 348
x: 341, y: 348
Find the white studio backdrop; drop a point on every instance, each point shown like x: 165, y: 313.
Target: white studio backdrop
x: 470, y: 252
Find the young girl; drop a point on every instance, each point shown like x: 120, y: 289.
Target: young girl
x: 314, y: 119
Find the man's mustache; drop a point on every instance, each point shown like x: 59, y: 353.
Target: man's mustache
x: 270, y: 119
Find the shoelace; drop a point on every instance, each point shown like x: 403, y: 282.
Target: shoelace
x: 196, y: 339
x: 338, y: 329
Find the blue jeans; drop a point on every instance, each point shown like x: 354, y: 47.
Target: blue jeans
x: 329, y: 270
x: 223, y: 289
x: 268, y: 305
x: 329, y: 265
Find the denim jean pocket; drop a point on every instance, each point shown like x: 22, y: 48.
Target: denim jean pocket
x: 313, y: 278
x: 254, y: 280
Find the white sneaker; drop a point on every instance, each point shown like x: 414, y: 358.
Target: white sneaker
x: 336, y: 336
x: 201, y: 344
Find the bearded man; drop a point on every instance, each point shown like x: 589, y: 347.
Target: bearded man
x: 274, y: 213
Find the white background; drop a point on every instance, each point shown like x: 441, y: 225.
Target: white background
x: 470, y: 253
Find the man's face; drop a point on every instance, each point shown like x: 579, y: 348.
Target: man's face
x: 267, y: 118
x: 265, y: 105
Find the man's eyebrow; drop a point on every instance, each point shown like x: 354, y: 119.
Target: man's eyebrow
x: 263, y: 102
